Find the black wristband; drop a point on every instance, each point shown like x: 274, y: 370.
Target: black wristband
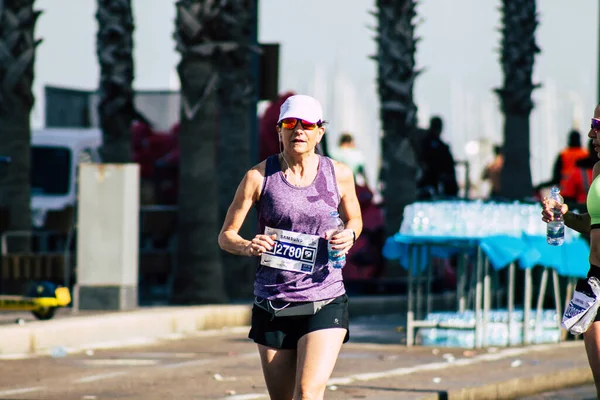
x: 353, y: 236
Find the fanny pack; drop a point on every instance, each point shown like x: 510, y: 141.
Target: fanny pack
x: 285, y: 309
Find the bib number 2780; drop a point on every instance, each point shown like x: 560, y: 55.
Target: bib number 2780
x: 292, y: 251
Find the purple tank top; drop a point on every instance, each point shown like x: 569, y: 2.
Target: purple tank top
x: 303, y: 210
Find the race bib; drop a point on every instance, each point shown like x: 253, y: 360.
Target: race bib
x: 292, y: 251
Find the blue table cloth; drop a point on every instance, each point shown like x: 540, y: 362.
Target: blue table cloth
x: 570, y: 259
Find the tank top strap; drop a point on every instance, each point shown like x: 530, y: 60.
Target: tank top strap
x: 327, y: 165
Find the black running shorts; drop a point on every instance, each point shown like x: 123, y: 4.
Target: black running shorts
x: 284, y: 332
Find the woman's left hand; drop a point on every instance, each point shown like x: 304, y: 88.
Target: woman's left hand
x: 343, y: 240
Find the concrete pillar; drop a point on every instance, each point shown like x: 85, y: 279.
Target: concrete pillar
x: 107, y: 237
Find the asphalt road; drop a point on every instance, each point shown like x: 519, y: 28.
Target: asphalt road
x: 225, y: 365
x: 587, y: 392
x: 208, y: 365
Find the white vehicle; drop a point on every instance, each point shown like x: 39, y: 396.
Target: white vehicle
x: 55, y: 155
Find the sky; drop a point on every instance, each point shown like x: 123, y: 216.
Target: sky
x: 325, y: 53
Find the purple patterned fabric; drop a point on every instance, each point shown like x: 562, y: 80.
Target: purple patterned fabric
x: 304, y: 210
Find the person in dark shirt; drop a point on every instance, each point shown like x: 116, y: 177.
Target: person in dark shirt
x: 438, y: 177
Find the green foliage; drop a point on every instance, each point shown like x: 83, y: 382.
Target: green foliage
x: 114, y: 48
x: 17, y: 53
x: 396, y: 47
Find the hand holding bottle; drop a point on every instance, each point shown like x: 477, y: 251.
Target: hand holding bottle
x: 337, y: 257
x: 553, y: 210
x: 550, y: 207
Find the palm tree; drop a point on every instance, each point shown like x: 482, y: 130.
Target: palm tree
x: 519, y: 20
x: 199, y: 274
x: 17, y: 56
x: 115, y: 54
x: 396, y: 46
x: 236, y: 29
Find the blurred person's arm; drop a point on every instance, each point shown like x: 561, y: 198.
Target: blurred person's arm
x: 361, y: 172
x: 486, y: 173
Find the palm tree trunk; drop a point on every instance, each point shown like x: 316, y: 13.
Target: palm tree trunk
x: 516, y: 158
x: 115, y: 55
x: 517, y: 57
x: 237, y: 123
x: 199, y: 273
x: 396, y: 75
x: 17, y: 23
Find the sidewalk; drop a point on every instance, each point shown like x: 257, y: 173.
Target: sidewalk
x: 479, y: 374
x: 90, y: 328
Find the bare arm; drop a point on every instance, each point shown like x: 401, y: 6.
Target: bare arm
x: 578, y: 222
x: 246, y: 195
x: 349, y: 208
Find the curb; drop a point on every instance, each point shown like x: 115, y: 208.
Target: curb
x: 519, y: 387
x: 40, y: 336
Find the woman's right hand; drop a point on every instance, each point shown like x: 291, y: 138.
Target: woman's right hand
x: 548, y: 208
x: 259, y: 245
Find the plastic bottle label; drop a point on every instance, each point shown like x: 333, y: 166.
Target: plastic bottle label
x: 336, y: 257
x: 556, y: 231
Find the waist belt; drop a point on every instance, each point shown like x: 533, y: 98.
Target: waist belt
x: 285, y: 309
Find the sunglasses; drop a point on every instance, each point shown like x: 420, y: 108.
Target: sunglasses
x: 595, y: 124
x: 290, y: 123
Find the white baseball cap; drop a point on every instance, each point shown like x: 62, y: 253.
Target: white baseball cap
x: 303, y: 107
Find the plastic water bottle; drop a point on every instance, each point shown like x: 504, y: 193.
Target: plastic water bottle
x: 555, y: 230
x: 337, y: 259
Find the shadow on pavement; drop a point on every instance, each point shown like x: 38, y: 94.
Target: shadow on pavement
x: 442, y: 394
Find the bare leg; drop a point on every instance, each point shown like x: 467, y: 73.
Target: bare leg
x: 317, y: 355
x: 592, y: 348
x: 279, y: 370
